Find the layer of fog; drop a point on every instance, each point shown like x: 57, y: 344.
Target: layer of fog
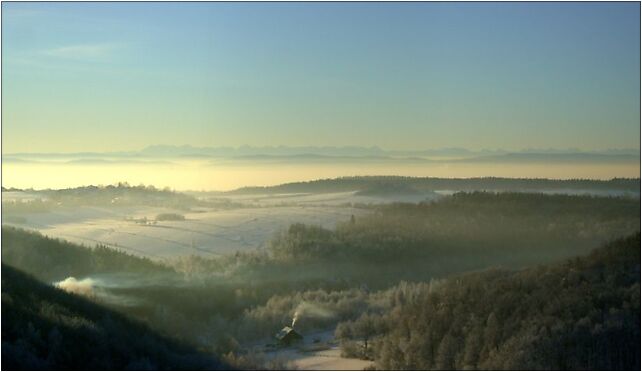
x: 181, y: 174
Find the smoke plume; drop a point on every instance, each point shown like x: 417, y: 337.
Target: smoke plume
x: 310, y: 310
x: 84, y: 287
x: 97, y: 289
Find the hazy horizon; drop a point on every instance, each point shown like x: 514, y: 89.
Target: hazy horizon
x: 184, y: 175
x: 414, y: 185
x: 186, y: 168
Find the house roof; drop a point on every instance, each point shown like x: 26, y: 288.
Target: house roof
x: 286, y: 331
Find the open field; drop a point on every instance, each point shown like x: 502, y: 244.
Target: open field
x: 206, y: 232
x: 245, y: 222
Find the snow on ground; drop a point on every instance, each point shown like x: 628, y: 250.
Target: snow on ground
x: 319, y: 351
x: 20, y: 196
x: 206, y: 232
x: 329, y: 360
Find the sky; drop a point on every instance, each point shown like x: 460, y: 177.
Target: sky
x: 122, y: 76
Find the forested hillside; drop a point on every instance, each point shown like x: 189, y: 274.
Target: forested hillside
x: 112, y: 196
x: 121, y: 194
x: 467, y: 231
x: 46, y: 328
x: 432, y: 183
x: 582, y: 314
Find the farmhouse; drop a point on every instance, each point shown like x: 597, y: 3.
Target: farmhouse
x: 288, y: 336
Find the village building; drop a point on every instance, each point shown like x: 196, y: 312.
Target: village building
x: 288, y: 336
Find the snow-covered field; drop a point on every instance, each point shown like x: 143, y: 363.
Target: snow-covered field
x: 318, y: 352
x: 328, y: 360
x: 205, y: 231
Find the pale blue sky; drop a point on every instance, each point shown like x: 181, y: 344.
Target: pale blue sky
x: 121, y: 76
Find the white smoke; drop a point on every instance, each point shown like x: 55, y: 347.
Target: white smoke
x: 310, y: 310
x: 84, y: 287
x: 96, y: 289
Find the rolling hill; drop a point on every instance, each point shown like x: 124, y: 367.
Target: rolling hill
x: 46, y: 328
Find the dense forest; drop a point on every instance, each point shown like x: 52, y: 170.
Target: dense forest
x: 467, y: 231
x: 583, y: 314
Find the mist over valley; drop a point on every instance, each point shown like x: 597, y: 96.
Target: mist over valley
x: 320, y: 185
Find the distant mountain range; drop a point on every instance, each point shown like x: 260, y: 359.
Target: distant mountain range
x: 355, y: 151
x: 334, y: 154
x: 555, y: 158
